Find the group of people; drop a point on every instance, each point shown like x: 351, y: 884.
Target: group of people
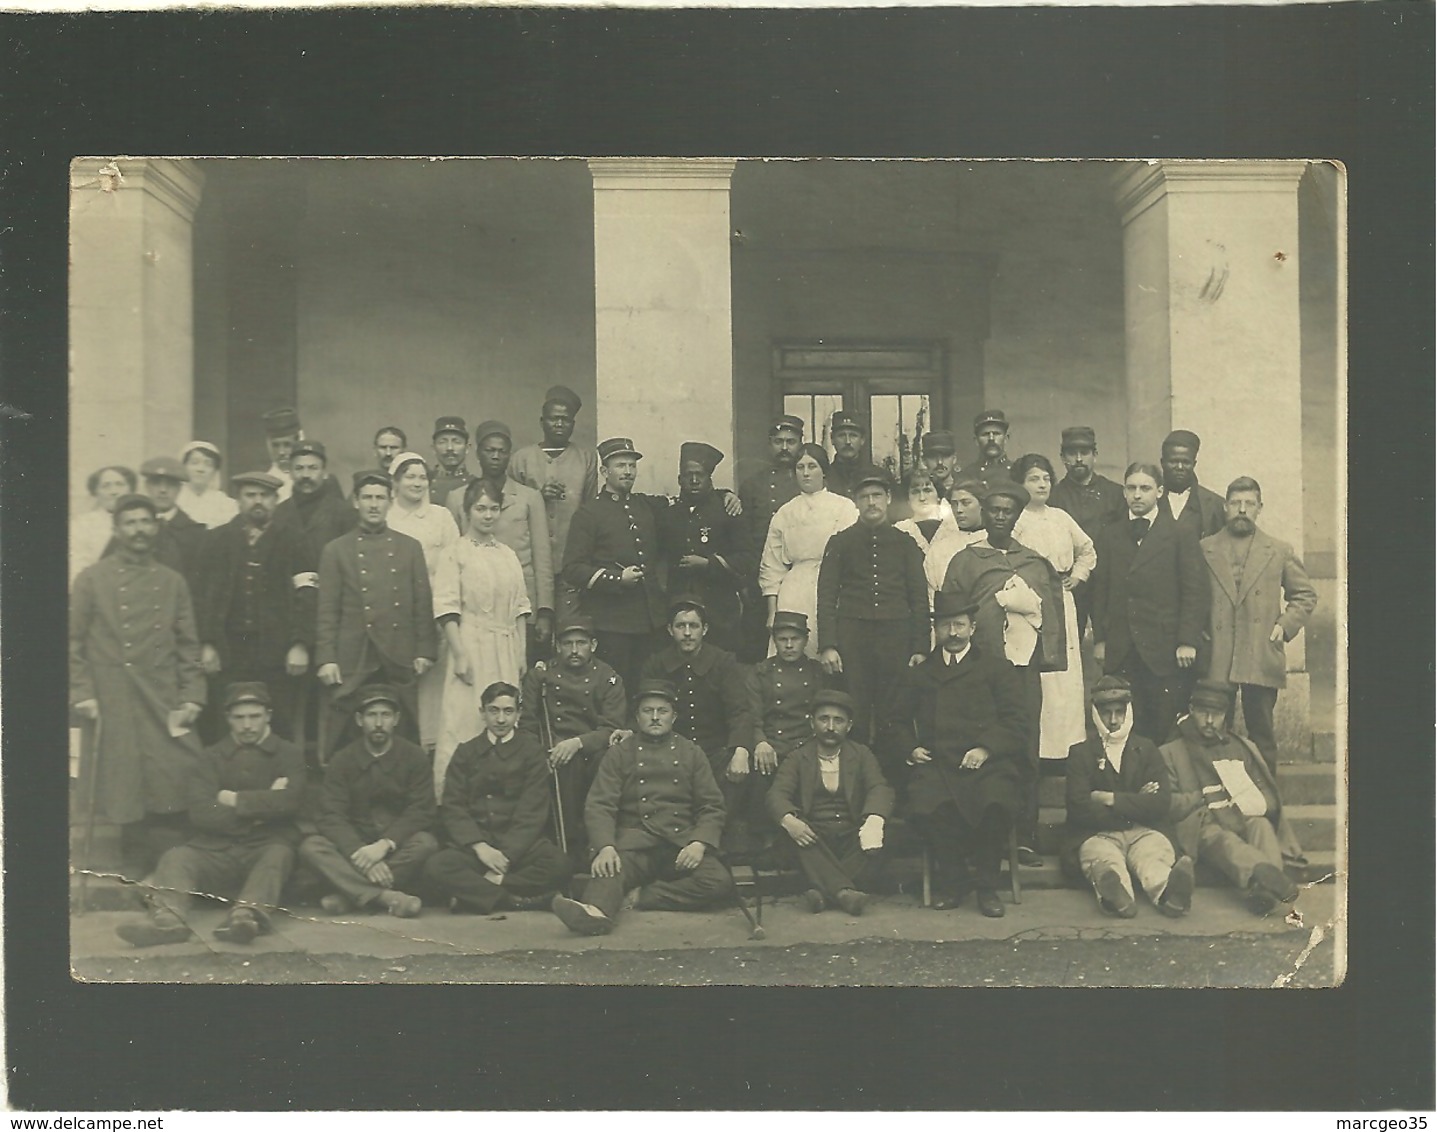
x: 535, y: 687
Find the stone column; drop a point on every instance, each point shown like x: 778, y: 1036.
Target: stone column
x: 1214, y: 338
x: 131, y: 312
x: 662, y: 313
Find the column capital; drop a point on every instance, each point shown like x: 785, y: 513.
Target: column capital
x: 669, y: 173
x: 177, y: 184
x: 1140, y: 186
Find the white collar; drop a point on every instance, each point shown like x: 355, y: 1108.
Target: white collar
x: 494, y: 741
x: 951, y: 658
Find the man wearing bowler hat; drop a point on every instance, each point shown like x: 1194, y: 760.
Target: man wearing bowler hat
x: 849, y: 464
x: 1195, y: 508
x: 762, y: 494
x: 243, y: 798
x: 282, y: 431
x: 375, y: 618
x: 707, y: 550
x: 832, y: 800
x: 654, y: 818
x: 1091, y: 499
x: 178, y: 538
x: 375, y: 815
x: 451, y: 451
x: 612, y: 560
x: 990, y: 435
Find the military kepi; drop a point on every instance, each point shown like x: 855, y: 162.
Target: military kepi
x: 1212, y: 694
x: 372, y: 475
x: 308, y: 448
x: 790, y: 619
x: 618, y: 446
x: 696, y: 451
x: 1079, y: 436
x: 246, y: 692
x: 378, y: 694
x: 563, y: 395
x: 576, y: 623
x: 939, y: 443
x: 451, y: 424
x: 787, y: 421
x: 988, y: 417
x: 131, y: 501
x: 661, y: 688
x: 844, y: 419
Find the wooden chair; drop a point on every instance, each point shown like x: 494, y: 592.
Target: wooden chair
x: 1014, y: 881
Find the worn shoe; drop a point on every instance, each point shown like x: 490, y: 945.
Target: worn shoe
x: 813, y: 900
x: 584, y: 919
x: 334, y: 904
x: 540, y: 903
x: 944, y: 900
x: 400, y: 904
x: 990, y: 904
x: 1113, y: 897
x: 241, y: 927
x: 152, y: 932
x: 852, y: 901
x: 1028, y: 858
x: 1268, y: 886
x: 1177, y: 897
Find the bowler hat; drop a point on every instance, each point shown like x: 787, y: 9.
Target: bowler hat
x: 1212, y: 694
x: 1079, y: 436
x: 661, y: 688
x: 990, y: 416
x: 164, y: 468
x: 949, y: 604
x: 378, y: 693
x: 790, y: 619
x: 832, y: 697
x: 451, y: 424
x: 259, y: 479
x: 618, y: 446
x: 1112, y: 690
x: 246, y: 692
x: 281, y: 422
x: 699, y: 452
x: 563, y: 395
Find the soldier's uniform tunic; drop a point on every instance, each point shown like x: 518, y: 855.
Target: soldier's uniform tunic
x: 705, y: 529
x: 761, y: 495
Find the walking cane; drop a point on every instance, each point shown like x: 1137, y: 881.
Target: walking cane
x: 91, y: 730
x: 548, y: 727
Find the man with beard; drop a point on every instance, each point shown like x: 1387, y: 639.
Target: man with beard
x: 1193, y: 506
x: 375, y: 619
x: 316, y: 510
x: 1091, y: 499
x: 389, y: 442
x: 1261, y: 599
x: 990, y: 435
x: 135, y: 671
x: 255, y: 601
x: 762, y: 494
x: 612, y: 561
x: 282, y: 431
x: 848, y: 465
x: 243, y: 796
x: 451, y: 450
x: 523, y: 526
x: 1018, y: 597
x: 654, y: 818
x: 832, y: 800
x: 706, y: 548
x: 375, y: 816
x: 565, y: 474
x: 1225, y: 803
x: 961, y: 717
x: 873, y: 619
x: 575, y: 703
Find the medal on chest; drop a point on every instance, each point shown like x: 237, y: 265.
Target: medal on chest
x: 704, y: 533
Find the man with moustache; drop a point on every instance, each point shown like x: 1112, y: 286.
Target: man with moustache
x: 1261, y: 599
x: 849, y: 465
x: 1091, y: 499
x: 389, y: 442
x: 832, y: 800
x: 1193, y: 506
x: 178, y: 537
x: 565, y: 474
x: 707, y: 549
x: 317, y: 510
x: 762, y: 494
x: 990, y: 435
x: 654, y: 818
x: 375, y: 618
x: 451, y: 450
x: 255, y: 601
x: 135, y: 671
x: 282, y: 431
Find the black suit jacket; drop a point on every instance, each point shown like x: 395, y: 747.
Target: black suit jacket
x: 1205, y: 514
x: 286, y: 609
x: 796, y: 783
x: 1149, y: 598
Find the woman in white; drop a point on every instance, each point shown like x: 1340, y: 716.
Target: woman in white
x: 435, y: 530
x: 482, y: 605
x: 797, y: 536
x: 962, y: 528
x: 925, y: 518
x: 90, y: 532
x: 1055, y: 535
x: 204, y: 498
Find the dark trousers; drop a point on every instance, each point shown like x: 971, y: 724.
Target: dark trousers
x: 344, y: 702
x: 1155, y: 699
x: 256, y: 873
x: 875, y: 655
x: 1027, y: 818
x: 667, y: 888
x: 406, y: 863
x: 143, y: 843
x: 952, y: 841
x: 1258, y: 703
x: 459, y: 873
x: 625, y: 653
x: 836, y: 862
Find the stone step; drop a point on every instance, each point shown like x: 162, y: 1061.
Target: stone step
x: 1299, y: 784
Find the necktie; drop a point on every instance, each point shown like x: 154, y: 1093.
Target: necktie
x: 1139, y: 528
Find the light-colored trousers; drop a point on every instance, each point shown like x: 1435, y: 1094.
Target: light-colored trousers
x: 1142, y: 851
x: 1234, y: 855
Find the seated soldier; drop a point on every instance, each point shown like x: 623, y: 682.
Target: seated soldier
x: 654, y: 818
x: 1225, y: 804
x: 244, y: 794
x: 1118, y: 811
x: 830, y: 796
x: 961, y: 716
x: 495, y: 807
x: 375, y: 814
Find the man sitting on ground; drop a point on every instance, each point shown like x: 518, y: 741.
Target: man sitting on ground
x: 495, y: 807
x: 375, y: 815
x: 654, y: 817
x: 831, y: 798
x: 1118, y: 811
x: 244, y: 794
x: 1225, y: 802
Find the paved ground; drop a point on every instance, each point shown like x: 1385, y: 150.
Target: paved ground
x: 1054, y: 938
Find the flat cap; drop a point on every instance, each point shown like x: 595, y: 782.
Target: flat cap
x: 211, y: 450
x: 487, y: 429
x: 938, y: 443
x: 844, y: 419
x: 618, y: 446
x: 164, y: 468
x: 309, y: 448
x: 790, y: 619
x: 377, y: 694
x: 246, y: 692
x: 451, y: 424
x: 258, y: 479
x: 1112, y: 690
x: 786, y: 421
x: 1212, y: 694
x: 575, y: 623
x: 132, y: 501
x: 563, y: 395
x: 699, y: 452
x: 372, y: 475
x: 1079, y: 436
x: 280, y: 422
x: 1182, y: 438
x: 949, y: 604
x: 990, y: 416
x: 832, y: 697
x: 661, y: 688
x: 1007, y: 490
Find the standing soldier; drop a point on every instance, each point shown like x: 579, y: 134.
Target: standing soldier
x: 282, y: 431
x: 575, y: 704
x: 451, y: 451
x: 179, y: 537
x: 762, y: 494
x: 990, y: 434
x: 612, y: 560
x: 1092, y: 499
x: 135, y: 671
x: 848, y: 465
x: 376, y: 611
x: 565, y: 474
x: 707, y: 549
